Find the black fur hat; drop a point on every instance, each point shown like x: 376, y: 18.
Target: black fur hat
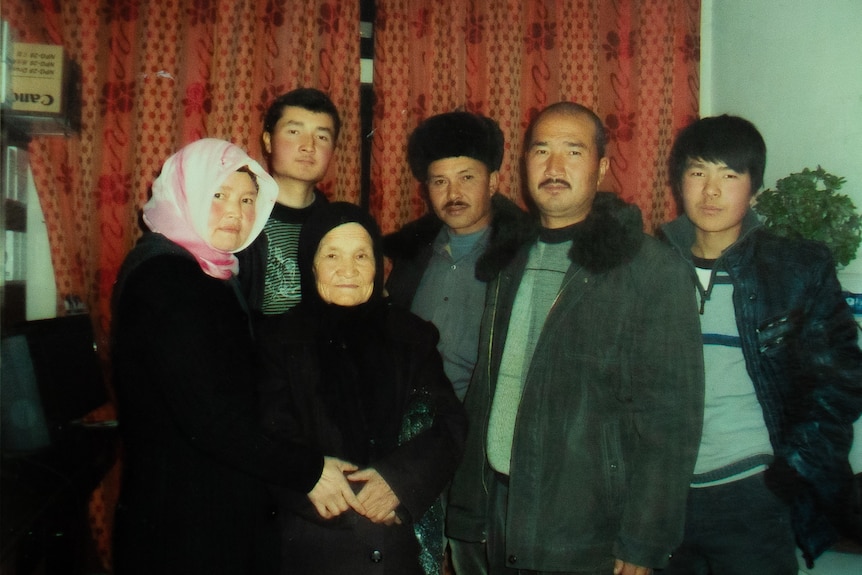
x: 451, y: 135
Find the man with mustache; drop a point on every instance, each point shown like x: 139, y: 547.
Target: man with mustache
x: 443, y: 261
x: 586, y: 402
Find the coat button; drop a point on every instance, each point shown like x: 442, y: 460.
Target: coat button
x: 513, y: 559
x: 376, y: 556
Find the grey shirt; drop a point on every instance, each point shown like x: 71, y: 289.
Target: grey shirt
x: 450, y: 297
x: 546, y: 268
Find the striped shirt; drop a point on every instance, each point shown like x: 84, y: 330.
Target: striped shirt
x: 735, y: 441
x: 282, y: 289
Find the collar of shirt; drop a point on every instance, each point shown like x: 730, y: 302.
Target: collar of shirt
x: 458, y: 246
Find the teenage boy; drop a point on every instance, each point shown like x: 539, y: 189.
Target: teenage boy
x: 300, y: 130
x: 783, y: 369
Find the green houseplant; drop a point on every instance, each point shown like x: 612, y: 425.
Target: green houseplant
x: 807, y: 204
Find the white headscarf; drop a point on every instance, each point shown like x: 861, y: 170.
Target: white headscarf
x: 183, y: 194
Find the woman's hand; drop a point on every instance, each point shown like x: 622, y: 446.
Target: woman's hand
x: 376, y: 496
x: 332, y: 494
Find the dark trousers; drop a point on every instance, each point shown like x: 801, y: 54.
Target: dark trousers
x: 490, y: 558
x: 738, y: 528
x: 468, y: 558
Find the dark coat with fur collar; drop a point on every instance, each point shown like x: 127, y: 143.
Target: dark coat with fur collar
x: 609, y: 419
x: 410, y: 248
x: 611, y: 234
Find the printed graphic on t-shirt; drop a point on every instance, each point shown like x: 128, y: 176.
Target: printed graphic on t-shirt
x: 282, y: 290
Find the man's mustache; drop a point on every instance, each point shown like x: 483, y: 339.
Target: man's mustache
x: 555, y: 182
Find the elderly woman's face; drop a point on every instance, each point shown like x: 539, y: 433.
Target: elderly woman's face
x: 232, y: 212
x: 344, y: 265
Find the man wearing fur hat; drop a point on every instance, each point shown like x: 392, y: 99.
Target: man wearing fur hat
x: 443, y: 261
x: 586, y: 402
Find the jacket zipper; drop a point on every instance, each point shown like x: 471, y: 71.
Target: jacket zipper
x: 491, y: 335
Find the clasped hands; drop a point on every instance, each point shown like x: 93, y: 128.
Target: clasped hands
x: 333, y: 494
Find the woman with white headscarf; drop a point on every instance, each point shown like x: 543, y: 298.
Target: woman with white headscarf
x: 196, y: 459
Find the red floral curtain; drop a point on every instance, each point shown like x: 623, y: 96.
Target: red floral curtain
x: 635, y: 62
x: 155, y: 76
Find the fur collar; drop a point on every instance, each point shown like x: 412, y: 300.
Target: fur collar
x: 610, y: 235
x: 511, y: 227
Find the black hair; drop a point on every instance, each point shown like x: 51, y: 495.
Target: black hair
x: 310, y: 99
x: 730, y: 140
x: 571, y: 109
x: 252, y: 175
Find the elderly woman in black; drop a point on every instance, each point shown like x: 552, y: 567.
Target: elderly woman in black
x: 361, y: 380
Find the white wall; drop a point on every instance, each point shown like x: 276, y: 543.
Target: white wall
x: 794, y: 68
x: 41, y: 287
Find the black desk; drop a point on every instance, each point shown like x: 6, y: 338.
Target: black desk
x: 44, y: 496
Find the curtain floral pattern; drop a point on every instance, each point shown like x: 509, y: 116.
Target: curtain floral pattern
x: 155, y: 76
x: 634, y: 62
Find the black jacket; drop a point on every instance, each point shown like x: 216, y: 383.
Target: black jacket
x: 366, y: 422
x: 196, y: 459
x: 799, y: 340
